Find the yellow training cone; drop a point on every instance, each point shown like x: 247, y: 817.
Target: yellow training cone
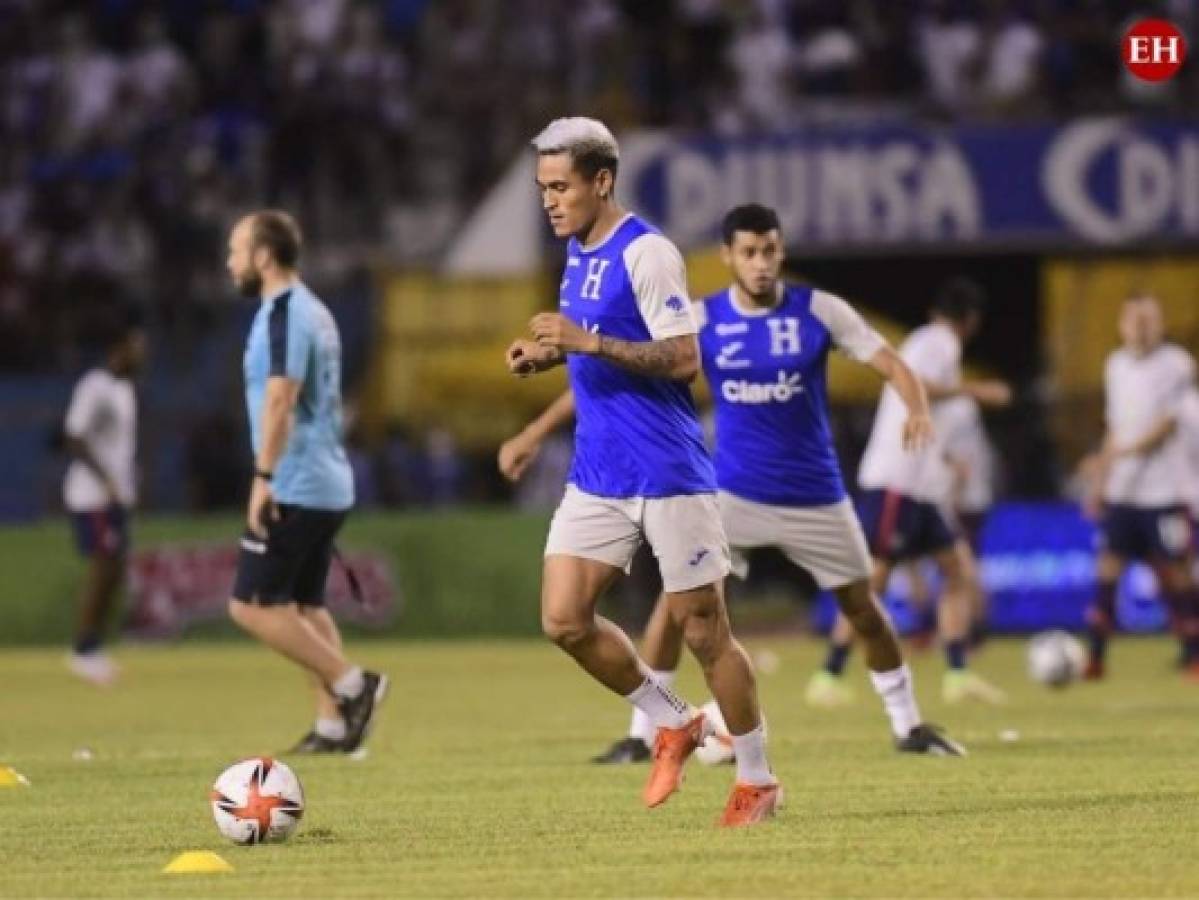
x: 12, y: 778
x: 197, y: 862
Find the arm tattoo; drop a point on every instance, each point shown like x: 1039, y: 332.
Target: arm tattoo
x: 652, y: 359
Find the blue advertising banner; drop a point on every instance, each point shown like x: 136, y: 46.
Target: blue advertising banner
x: 1038, y: 571
x: 1106, y: 182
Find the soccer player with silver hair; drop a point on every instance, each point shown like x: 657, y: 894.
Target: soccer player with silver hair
x: 626, y: 333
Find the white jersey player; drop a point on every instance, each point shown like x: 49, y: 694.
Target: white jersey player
x: 100, y: 490
x: 1141, y: 478
x: 905, y: 499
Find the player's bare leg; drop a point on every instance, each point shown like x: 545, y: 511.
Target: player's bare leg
x: 1101, y: 617
x: 285, y: 630
x: 703, y: 618
x: 329, y: 730
x: 662, y: 644
x: 827, y: 687
x: 956, y: 564
x: 661, y: 648
x: 101, y: 584
x: 570, y: 588
x: 924, y: 608
x: 1179, y: 588
x: 288, y: 632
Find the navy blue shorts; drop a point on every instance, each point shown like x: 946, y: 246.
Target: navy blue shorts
x: 102, y: 532
x: 292, y: 564
x: 899, y: 527
x: 1134, y: 532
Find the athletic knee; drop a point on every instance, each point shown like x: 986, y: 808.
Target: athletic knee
x: 566, y: 631
x: 705, y: 636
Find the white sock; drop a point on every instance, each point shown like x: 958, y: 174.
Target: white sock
x: 660, y: 704
x: 750, y: 752
x: 350, y: 684
x: 641, y: 727
x: 899, y: 699
x: 331, y: 729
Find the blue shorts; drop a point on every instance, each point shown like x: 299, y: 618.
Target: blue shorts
x: 1134, y: 532
x: 102, y: 532
x: 899, y: 527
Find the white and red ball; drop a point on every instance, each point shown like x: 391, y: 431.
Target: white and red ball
x: 257, y: 801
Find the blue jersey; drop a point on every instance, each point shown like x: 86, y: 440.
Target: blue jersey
x: 768, y: 374
x: 294, y: 335
x: 634, y: 436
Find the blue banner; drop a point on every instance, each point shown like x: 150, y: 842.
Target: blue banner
x: 1037, y: 564
x: 1106, y: 182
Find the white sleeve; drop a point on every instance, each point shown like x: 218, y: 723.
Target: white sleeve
x: 849, y: 330
x: 1181, y: 380
x: 85, y: 402
x: 699, y: 312
x: 659, y: 280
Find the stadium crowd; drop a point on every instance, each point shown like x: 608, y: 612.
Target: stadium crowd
x: 131, y: 131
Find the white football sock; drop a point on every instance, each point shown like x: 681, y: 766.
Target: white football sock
x: 899, y: 699
x: 350, y: 684
x: 641, y: 727
x: 331, y: 729
x: 660, y: 704
x: 750, y: 752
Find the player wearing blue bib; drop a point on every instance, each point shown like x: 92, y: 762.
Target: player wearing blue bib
x: 626, y: 334
x: 764, y: 347
x: 302, y: 488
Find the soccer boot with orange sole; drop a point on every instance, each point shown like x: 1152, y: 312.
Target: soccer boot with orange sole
x: 751, y: 804
x: 672, y: 748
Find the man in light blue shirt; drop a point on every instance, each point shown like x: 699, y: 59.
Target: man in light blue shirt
x: 302, y: 487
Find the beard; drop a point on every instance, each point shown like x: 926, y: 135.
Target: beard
x: 249, y: 284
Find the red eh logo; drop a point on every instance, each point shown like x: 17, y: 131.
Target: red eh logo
x: 1153, y: 50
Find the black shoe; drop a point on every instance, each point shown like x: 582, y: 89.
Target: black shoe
x: 624, y: 752
x: 359, y: 712
x: 931, y: 740
x: 315, y: 743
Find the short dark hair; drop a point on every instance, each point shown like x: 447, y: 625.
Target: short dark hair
x: 590, y: 163
x: 120, y: 324
x: 279, y: 232
x: 959, y: 299
x: 751, y: 217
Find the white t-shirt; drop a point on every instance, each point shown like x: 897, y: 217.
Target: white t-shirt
x: 1188, y: 428
x: 1141, y: 392
x: 934, y: 353
x: 960, y: 423
x: 102, y: 414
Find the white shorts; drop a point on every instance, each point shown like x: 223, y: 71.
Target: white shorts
x: 827, y: 542
x: 684, y: 532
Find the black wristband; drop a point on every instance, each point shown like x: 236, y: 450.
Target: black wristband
x: 265, y: 476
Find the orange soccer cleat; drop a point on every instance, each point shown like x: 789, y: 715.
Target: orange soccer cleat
x: 751, y: 804
x: 672, y: 747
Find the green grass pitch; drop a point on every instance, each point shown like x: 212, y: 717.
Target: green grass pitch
x: 477, y: 785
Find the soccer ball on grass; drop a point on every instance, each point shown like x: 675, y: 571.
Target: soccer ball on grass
x: 256, y: 801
